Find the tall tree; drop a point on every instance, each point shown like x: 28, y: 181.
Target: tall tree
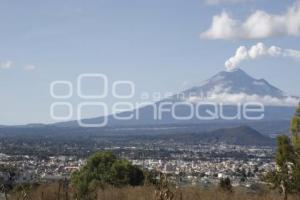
x: 282, y: 177
x: 295, y: 129
x: 286, y: 176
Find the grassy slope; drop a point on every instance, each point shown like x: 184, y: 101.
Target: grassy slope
x: 51, y: 192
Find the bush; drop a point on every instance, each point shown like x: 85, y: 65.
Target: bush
x: 104, y: 168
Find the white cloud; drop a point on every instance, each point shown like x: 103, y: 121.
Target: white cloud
x: 256, y: 51
x: 29, y: 67
x: 292, y: 53
x: 259, y: 24
x: 233, y: 99
x: 6, y: 64
x: 216, y: 2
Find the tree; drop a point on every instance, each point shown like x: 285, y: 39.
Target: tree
x: 162, y: 188
x: 6, y: 184
x: 282, y: 177
x: 151, y: 177
x: 104, y: 168
x: 225, y: 184
x: 295, y: 129
x: 286, y: 176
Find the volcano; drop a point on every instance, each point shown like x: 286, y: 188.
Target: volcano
x: 231, y: 87
x: 228, y: 88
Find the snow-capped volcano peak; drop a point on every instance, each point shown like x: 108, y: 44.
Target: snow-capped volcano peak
x: 238, y: 81
x: 237, y: 86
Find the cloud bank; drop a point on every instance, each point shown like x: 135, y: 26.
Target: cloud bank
x: 234, y: 99
x: 259, y: 24
x: 257, y: 51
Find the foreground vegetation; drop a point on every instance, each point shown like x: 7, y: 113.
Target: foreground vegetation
x: 52, y: 192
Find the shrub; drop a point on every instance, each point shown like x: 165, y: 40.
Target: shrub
x: 104, y: 168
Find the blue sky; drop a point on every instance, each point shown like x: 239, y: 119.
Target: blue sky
x: 155, y: 44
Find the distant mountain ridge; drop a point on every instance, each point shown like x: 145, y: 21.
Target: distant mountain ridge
x: 241, y: 135
x: 238, y: 135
